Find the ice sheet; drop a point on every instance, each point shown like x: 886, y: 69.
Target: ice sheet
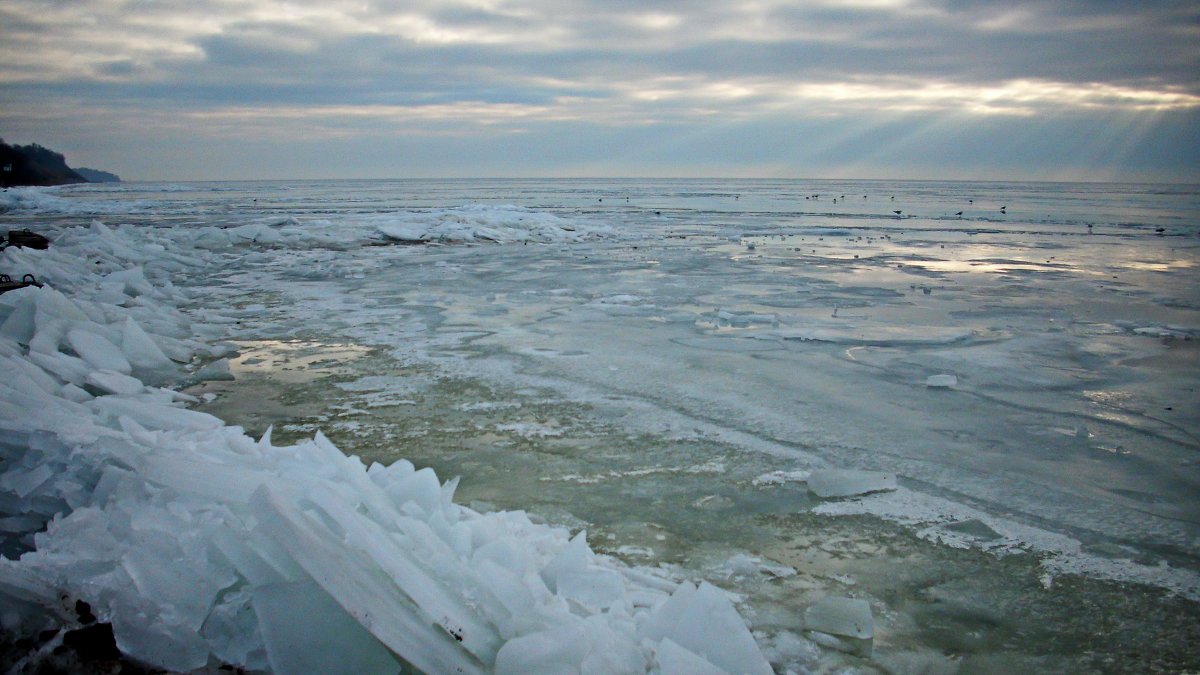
x: 1068, y: 431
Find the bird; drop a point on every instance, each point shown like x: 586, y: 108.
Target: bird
x: 959, y: 213
x: 897, y: 212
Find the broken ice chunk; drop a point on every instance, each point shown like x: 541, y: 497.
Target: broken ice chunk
x: 114, y: 382
x: 944, y: 381
x: 675, y: 660
x: 704, y: 622
x: 552, y: 651
x: 780, y: 477
x: 847, y: 620
x: 98, y: 351
x: 595, y: 588
x: 140, y: 350
x: 217, y: 370
x: 73, y: 393
x: 306, y: 631
x: 69, y: 368
x: 22, y: 483
x: 848, y: 617
x: 975, y: 528
x: 849, y: 483
x: 407, y: 233
x: 153, y: 415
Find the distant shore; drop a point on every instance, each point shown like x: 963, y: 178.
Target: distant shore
x: 25, y: 165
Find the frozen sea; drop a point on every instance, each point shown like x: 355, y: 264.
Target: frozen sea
x: 667, y: 363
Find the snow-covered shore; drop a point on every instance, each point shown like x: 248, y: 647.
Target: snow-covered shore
x: 201, y: 545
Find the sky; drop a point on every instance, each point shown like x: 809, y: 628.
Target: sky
x: 906, y: 89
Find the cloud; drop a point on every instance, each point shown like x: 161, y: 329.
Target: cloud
x: 472, y: 67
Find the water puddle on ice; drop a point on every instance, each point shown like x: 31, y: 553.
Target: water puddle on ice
x: 292, y: 360
x: 269, y: 386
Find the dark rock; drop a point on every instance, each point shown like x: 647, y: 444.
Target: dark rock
x: 84, y: 612
x: 27, y: 239
x: 93, y: 643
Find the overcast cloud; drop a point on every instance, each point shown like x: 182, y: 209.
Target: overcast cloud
x: 1084, y: 89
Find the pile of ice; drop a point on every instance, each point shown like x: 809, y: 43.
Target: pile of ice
x: 506, y: 223
x: 466, y: 224
x: 43, y: 200
x: 201, y: 545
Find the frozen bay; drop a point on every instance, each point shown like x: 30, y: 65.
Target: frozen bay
x: 666, y: 363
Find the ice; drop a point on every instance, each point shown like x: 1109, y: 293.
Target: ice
x: 141, y: 351
x: 781, y: 477
x: 943, y: 381
x: 692, y: 344
x: 553, y: 652
x: 702, y: 620
x: 832, y: 484
x: 153, y: 415
x: 402, y: 232
x: 19, y: 324
x: 580, y: 646
x: 44, y: 201
x: 97, y: 351
x: 306, y: 632
x: 847, y: 619
x: 114, y: 382
x: 215, y: 371
x: 880, y: 335
x: 73, y: 393
x: 23, y: 484
x: 675, y: 660
x: 594, y: 589
x: 27, y: 375
x: 68, y: 368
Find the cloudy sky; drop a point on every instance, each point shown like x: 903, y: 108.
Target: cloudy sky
x: 245, y: 89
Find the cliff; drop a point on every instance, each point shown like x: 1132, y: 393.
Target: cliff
x: 34, y: 165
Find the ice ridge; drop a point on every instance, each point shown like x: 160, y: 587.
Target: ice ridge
x: 201, y: 545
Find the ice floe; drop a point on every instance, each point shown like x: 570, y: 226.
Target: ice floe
x: 846, y: 623
x: 942, y: 381
x: 829, y: 484
x: 880, y: 335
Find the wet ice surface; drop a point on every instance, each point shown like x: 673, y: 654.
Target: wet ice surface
x: 1028, y: 378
